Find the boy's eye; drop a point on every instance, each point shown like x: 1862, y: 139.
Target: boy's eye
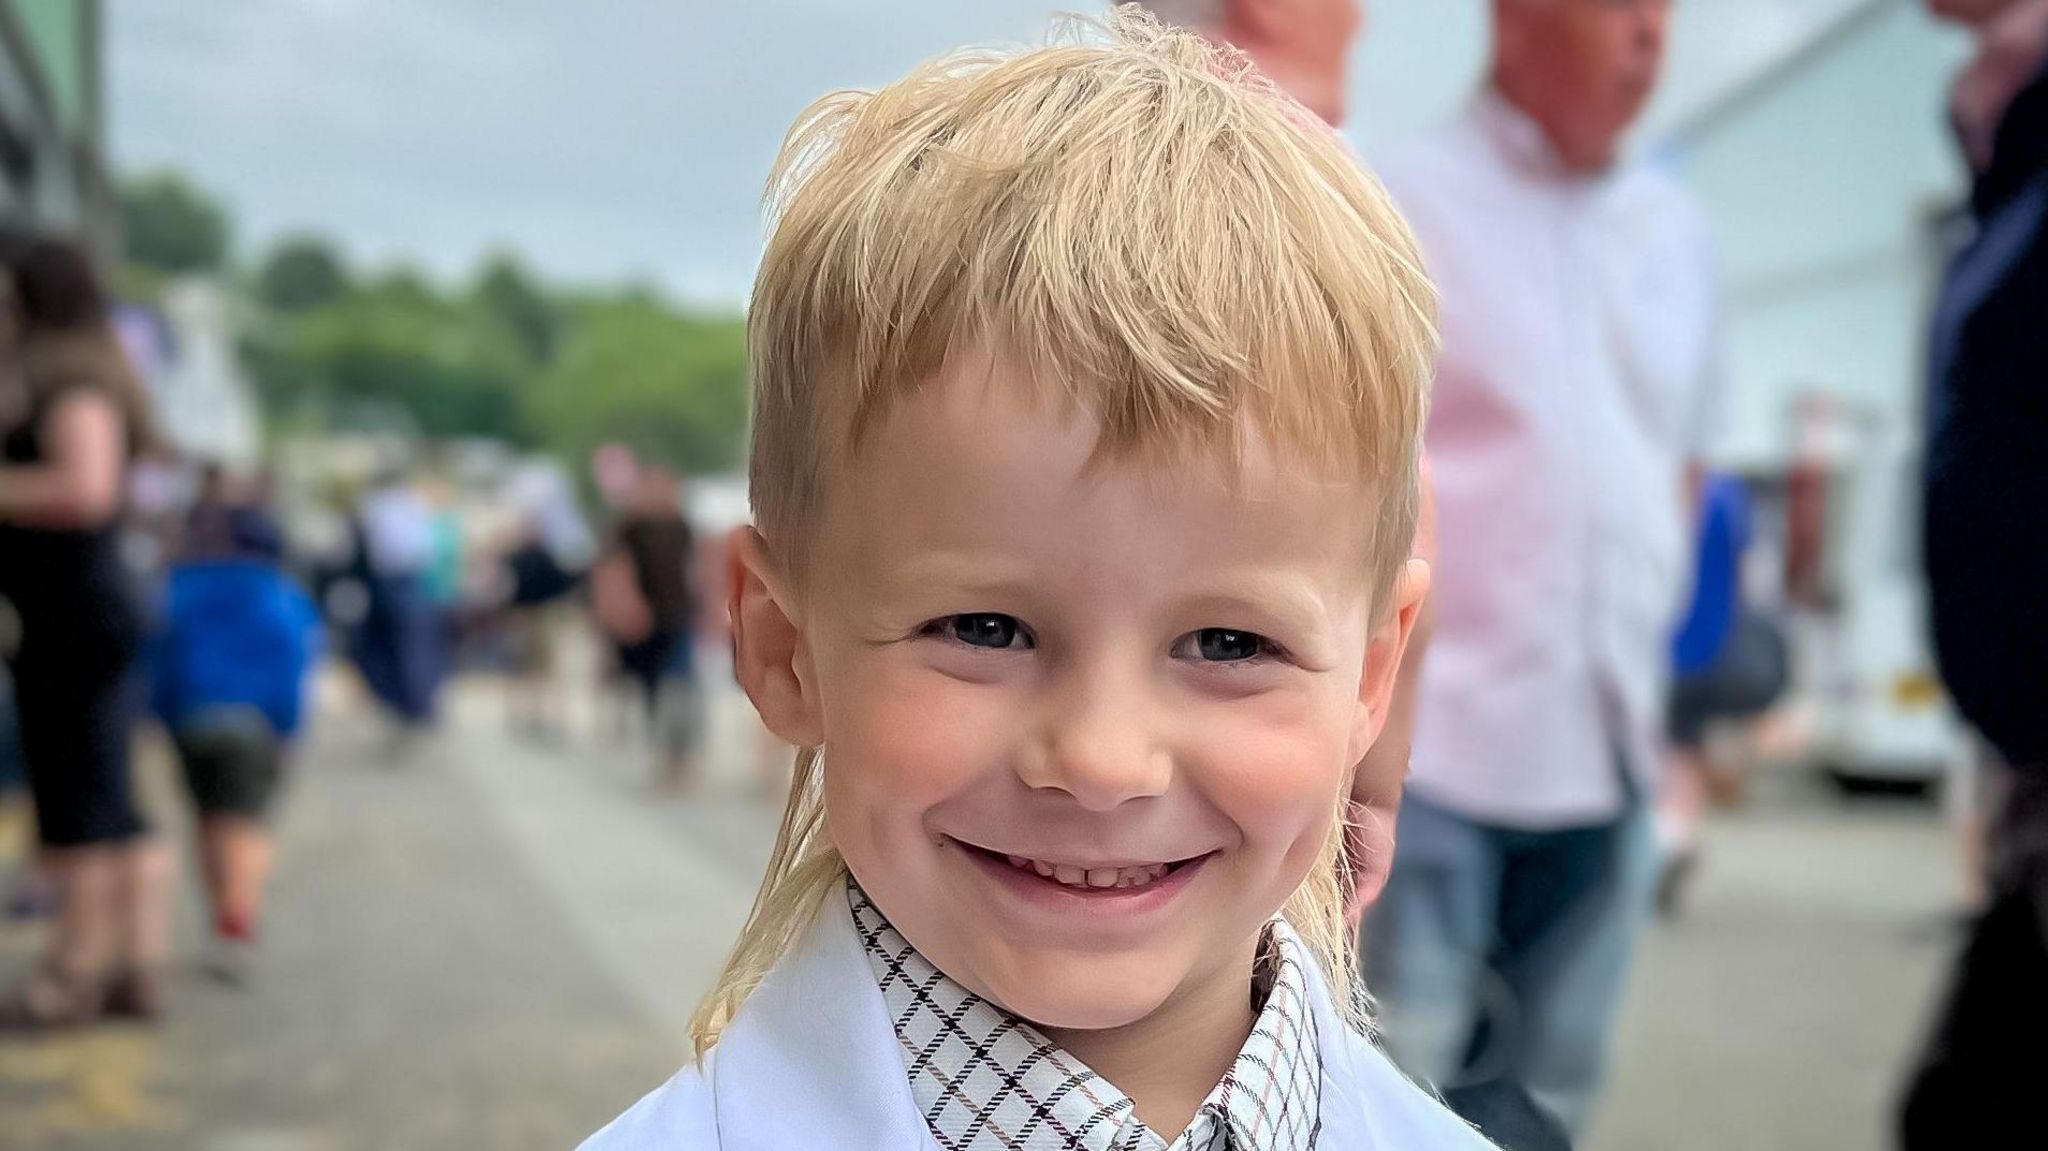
x: 985, y: 629
x: 1228, y: 645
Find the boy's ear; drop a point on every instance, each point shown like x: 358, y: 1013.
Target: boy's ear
x: 769, y: 654
x: 1383, y: 656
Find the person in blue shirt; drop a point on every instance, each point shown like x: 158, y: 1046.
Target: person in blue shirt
x: 229, y: 670
x: 1729, y: 662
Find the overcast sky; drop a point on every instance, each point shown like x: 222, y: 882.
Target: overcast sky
x: 629, y: 138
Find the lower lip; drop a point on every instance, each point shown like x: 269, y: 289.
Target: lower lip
x: 1095, y: 902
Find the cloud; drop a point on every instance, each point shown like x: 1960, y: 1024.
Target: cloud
x: 627, y: 139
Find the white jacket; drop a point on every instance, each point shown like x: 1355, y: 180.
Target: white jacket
x: 812, y: 1064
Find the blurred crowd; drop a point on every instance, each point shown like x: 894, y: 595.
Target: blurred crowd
x: 1591, y: 652
x: 147, y: 592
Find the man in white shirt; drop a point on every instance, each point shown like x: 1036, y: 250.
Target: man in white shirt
x: 1575, y: 389
x: 398, y: 644
x: 398, y: 529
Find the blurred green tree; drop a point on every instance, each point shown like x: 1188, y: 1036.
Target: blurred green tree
x: 506, y: 357
x: 671, y: 386
x: 395, y: 340
x: 506, y: 294
x: 171, y: 225
x: 301, y: 272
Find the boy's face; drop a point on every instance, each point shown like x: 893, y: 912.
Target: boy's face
x: 1018, y: 663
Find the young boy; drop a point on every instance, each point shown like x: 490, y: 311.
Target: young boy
x: 229, y: 668
x: 1088, y: 385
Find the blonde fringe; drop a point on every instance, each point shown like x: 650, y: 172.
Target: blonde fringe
x: 1148, y: 228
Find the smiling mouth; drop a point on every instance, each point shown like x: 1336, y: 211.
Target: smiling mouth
x: 1087, y: 878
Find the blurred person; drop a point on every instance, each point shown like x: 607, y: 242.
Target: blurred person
x: 1302, y: 46
x: 445, y: 578
x: 645, y: 593
x: 28, y: 892
x: 1576, y: 387
x: 1082, y: 585
x: 13, y: 772
x: 543, y: 569
x: 207, y: 520
x: 73, y: 418
x: 1972, y: 786
x: 398, y: 642
x: 1973, y: 14
x: 230, y: 664
x: 231, y: 513
x: 1978, y: 1075
x: 1730, y: 664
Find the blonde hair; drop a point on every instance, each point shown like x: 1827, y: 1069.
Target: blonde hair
x: 1141, y: 222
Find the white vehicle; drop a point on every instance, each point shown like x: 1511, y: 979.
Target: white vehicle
x: 1880, y: 714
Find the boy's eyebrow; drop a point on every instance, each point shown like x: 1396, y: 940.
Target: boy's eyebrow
x: 1292, y: 600
x: 991, y: 574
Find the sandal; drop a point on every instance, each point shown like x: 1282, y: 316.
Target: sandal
x: 49, y: 1001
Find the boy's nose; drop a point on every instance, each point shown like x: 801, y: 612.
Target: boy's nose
x: 1096, y: 745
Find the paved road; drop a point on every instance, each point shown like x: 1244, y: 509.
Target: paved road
x: 493, y: 945
x: 483, y: 946
x: 1780, y: 1010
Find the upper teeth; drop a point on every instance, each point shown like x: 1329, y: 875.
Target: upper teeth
x: 1072, y: 876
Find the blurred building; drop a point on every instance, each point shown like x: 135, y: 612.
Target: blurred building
x: 1826, y: 172
x: 53, y: 172
x: 187, y: 354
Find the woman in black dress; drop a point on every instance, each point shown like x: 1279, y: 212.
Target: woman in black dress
x: 72, y: 417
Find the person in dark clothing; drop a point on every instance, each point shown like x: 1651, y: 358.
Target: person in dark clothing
x: 29, y: 895
x: 645, y: 595
x: 13, y: 773
x: 209, y: 521
x: 1977, y: 1081
x: 659, y: 550
x: 543, y: 573
x: 398, y: 645
x: 72, y: 416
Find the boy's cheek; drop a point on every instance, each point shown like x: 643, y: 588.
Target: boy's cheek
x: 913, y: 736
x: 1278, y: 753
x: 1277, y: 777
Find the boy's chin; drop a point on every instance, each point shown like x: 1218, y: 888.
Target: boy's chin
x: 1093, y: 995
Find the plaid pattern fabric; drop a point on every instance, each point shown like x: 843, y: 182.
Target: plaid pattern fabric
x: 987, y: 1081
